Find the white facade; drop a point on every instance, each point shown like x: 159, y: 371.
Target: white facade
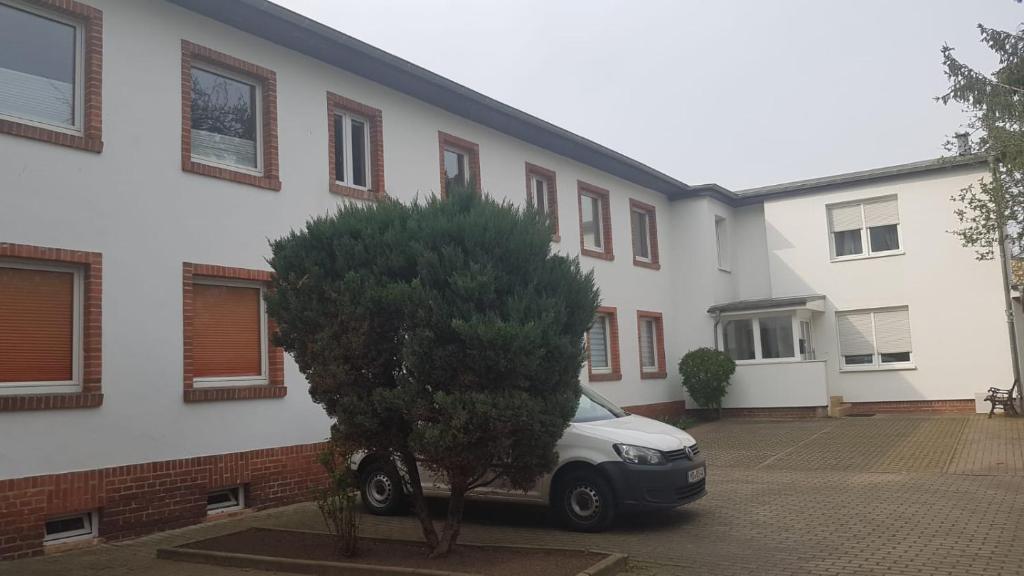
x: 133, y: 203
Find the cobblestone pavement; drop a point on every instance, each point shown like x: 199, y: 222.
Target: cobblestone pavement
x: 878, y: 495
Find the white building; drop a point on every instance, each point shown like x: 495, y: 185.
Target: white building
x: 151, y: 147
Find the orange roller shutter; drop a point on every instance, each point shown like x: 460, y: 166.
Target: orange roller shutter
x: 226, y: 331
x: 36, y: 325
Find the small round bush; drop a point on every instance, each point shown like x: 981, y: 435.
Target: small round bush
x: 706, y: 374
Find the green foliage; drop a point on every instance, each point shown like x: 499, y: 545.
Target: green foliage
x: 445, y: 329
x: 995, y: 103
x: 337, y: 501
x: 705, y: 373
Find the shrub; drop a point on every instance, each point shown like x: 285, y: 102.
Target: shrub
x: 706, y: 374
x: 337, y: 501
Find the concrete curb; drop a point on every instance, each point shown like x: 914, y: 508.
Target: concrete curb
x: 610, y: 566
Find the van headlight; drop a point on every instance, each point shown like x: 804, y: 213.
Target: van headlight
x: 639, y: 454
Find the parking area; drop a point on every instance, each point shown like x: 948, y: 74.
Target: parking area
x: 877, y: 495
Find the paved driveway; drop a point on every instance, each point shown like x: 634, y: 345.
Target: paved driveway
x: 878, y: 495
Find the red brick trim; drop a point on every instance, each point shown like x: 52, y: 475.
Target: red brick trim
x: 966, y: 406
x: 139, y: 499
x: 275, y: 387
x: 270, y: 178
x: 613, y: 337
x: 652, y: 218
x: 606, y: 219
x: 91, y: 136
x: 92, y: 330
x: 377, y: 191
x: 532, y: 171
x: 472, y: 150
x: 781, y: 413
x: 659, y: 336
x: 673, y: 410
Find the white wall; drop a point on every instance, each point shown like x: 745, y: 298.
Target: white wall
x: 778, y: 385
x: 135, y: 205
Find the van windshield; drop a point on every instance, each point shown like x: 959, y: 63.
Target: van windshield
x: 593, y: 407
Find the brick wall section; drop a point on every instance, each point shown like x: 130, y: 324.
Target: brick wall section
x: 606, y: 220
x: 270, y: 178
x: 91, y: 136
x: 472, y: 150
x: 275, y: 387
x: 377, y: 191
x: 92, y: 330
x: 927, y: 406
x: 139, y: 499
x: 794, y: 412
x: 659, y: 343
x: 668, y: 411
x: 652, y: 219
x: 613, y: 344
x: 532, y: 171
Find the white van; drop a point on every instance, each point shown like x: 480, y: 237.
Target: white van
x: 609, y: 461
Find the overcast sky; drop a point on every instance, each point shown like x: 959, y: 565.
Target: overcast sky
x: 744, y: 93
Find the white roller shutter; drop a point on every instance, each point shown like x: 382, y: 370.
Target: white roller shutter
x: 599, y: 343
x: 882, y: 212
x: 892, y: 331
x: 848, y: 217
x: 856, y: 336
x: 648, y: 358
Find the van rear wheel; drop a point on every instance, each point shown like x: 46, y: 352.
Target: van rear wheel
x: 381, y: 489
x: 584, y: 502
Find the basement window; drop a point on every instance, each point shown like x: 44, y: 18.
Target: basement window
x: 226, y: 500
x: 67, y: 528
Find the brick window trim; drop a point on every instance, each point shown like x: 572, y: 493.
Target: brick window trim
x: 91, y: 136
x: 659, y: 335
x: 583, y: 188
x: 194, y: 53
x: 532, y: 171
x: 377, y: 191
x: 91, y: 395
x: 652, y: 220
x: 274, y: 388
x: 472, y: 150
x: 613, y: 337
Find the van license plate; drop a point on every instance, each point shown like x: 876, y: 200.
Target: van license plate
x: 695, y: 475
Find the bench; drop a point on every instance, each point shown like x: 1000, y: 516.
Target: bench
x: 1004, y: 399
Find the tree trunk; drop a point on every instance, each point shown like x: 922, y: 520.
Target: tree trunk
x: 1006, y: 267
x: 419, y: 503
x: 453, y: 522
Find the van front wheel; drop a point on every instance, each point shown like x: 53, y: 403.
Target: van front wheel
x: 381, y: 488
x: 585, y: 502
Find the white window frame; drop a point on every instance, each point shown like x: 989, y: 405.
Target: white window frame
x: 599, y: 221
x: 237, y: 494
x: 540, y: 202
x: 722, y: 244
x: 606, y: 320
x: 465, y: 162
x: 876, y: 357
x: 88, y: 533
x: 646, y: 232
x: 75, y: 384
x: 865, y: 236
x: 346, y: 137
x: 258, y: 85
x: 654, y: 344
x: 795, y: 316
x: 78, y: 111
x: 225, y: 381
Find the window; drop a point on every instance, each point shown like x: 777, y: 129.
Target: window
x: 595, y: 221
x: 542, y: 194
x: 722, y: 243
x: 867, y: 228
x: 603, y: 346
x: 229, y: 128
x: 226, y: 500
x: 651, y: 344
x: 874, y: 338
x: 69, y: 528
x: 644, y: 227
x: 51, y: 72
x: 356, y: 150
x: 460, y: 163
x: 784, y: 336
x: 50, y: 311
x: 228, y: 354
